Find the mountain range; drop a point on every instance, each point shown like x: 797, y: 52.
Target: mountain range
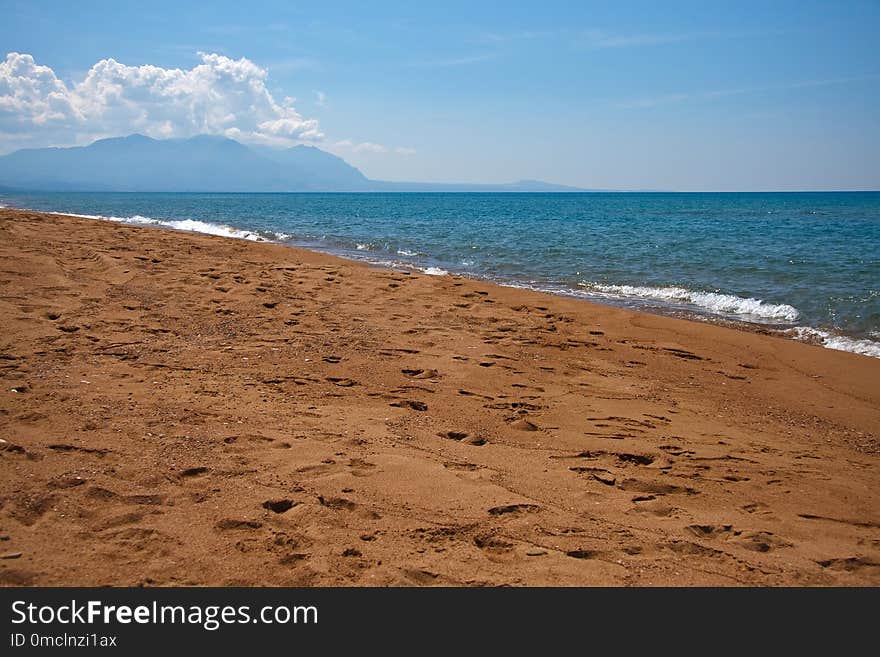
x: 206, y: 164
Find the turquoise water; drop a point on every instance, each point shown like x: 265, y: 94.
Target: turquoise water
x: 805, y: 263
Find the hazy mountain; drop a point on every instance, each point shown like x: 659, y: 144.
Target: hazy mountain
x: 141, y: 164
x: 316, y: 169
x: 204, y: 164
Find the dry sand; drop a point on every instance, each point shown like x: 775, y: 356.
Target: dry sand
x: 184, y: 409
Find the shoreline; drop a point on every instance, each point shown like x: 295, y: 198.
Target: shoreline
x: 678, y: 309
x: 185, y: 409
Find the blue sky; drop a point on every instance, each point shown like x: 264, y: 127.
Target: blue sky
x: 685, y: 96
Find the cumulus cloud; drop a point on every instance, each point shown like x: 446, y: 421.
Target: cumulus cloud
x: 219, y: 96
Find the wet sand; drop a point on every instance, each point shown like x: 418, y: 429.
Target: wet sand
x: 182, y: 409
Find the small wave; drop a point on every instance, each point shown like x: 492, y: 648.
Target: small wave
x: 74, y: 214
x: 712, y: 301
x: 838, y: 342
x: 434, y: 271
x: 364, y: 247
x: 212, y: 229
x: 409, y: 254
x: 191, y: 225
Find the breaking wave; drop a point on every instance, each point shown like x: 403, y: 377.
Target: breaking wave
x: 838, y: 342
x: 191, y: 225
x: 715, y: 302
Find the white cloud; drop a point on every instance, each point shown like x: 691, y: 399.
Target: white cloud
x: 370, y: 147
x: 320, y: 98
x: 344, y: 146
x: 220, y: 96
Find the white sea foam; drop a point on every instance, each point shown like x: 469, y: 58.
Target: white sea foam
x: 825, y: 339
x: 434, y: 271
x: 74, y: 214
x: 410, y: 254
x: 191, y: 225
x: 212, y: 229
x: 839, y: 342
x: 363, y: 247
x: 712, y: 301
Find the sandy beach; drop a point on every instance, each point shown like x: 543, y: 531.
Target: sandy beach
x: 182, y: 409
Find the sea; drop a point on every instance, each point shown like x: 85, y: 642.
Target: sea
x: 805, y: 265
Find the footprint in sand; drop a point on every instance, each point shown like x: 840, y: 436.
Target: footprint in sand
x: 463, y: 437
x: 513, y: 406
x: 583, y: 554
x: 762, y: 541
x: 12, y: 448
x: 63, y: 447
x: 30, y: 508
x: 649, y: 505
x: 344, y: 504
x: 341, y: 382
x: 851, y: 564
x: 636, y: 459
x: 453, y: 435
x: 758, y: 541
x: 601, y: 475
x: 468, y: 393
x: 421, y: 577
x: 194, y: 472
x: 523, y: 424
x: 675, y: 450
x: 695, y: 549
x: 421, y: 374
x: 681, y: 353
x: 514, y: 509
x: 467, y: 467
x: 360, y: 467
x: 710, y: 531
x: 280, y: 505
x: 410, y: 403
x: 654, y: 487
x: 494, y: 544
x: 227, y: 524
